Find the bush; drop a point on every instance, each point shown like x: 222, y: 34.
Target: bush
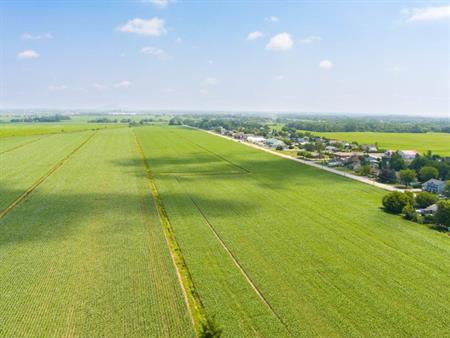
x: 427, y: 173
x: 394, y: 202
x: 425, y: 199
x: 409, y: 213
x: 209, y: 328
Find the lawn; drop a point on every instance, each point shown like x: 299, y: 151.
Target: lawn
x: 438, y: 143
x: 84, y: 254
x: 322, y: 256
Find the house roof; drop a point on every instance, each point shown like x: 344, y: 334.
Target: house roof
x: 432, y: 207
x: 409, y: 152
x: 434, y: 181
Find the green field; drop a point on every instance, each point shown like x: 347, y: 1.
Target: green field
x: 27, y: 129
x: 438, y: 143
x: 273, y: 248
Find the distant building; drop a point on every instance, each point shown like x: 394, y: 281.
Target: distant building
x: 389, y: 153
x: 371, y: 149
x: 256, y: 139
x: 331, y: 149
x: 430, y: 210
x: 239, y: 135
x: 408, y: 155
x: 435, y: 186
x: 275, y: 143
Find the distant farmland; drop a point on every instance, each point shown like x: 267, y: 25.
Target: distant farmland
x: 438, y: 143
x: 272, y: 247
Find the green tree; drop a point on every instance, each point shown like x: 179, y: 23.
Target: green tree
x: 427, y: 173
x: 396, y: 162
x: 446, y: 191
x: 365, y: 170
x: 425, y: 199
x: 387, y: 176
x: 407, y: 176
x: 394, y: 202
x: 443, y: 213
x: 409, y: 212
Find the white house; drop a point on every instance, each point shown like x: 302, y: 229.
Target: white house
x: 408, y: 155
x: 430, y: 210
x: 256, y: 139
x: 435, y: 186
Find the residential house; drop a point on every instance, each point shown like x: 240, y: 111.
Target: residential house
x: 256, y: 139
x: 435, y: 186
x: 331, y: 149
x: 408, y: 155
x: 275, y: 143
x: 239, y: 135
x: 430, y: 210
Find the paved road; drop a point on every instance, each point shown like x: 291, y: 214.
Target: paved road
x: 312, y: 164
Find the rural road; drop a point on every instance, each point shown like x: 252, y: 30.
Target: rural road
x: 312, y: 164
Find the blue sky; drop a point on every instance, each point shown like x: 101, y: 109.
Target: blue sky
x: 374, y: 57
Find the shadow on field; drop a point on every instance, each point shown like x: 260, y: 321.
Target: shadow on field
x: 45, y: 216
x: 273, y: 172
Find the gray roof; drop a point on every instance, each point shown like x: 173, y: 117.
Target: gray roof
x: 434, y: 181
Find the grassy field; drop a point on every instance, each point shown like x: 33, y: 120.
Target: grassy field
x: 438, y: 143
x: 84, y: 254
x: 272, y: 247
x: 322, y: 256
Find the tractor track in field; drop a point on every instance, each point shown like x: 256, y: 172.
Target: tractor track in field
x: 192, y: 299
x: 58, y: 165
x: 23, y: 145
x: 237, y: 264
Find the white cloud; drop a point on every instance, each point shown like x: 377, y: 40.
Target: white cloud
x: 28, y: 54
x: 123, y: 84
x: 326, y: 64
x: 427, y: 13
x: 156, y: 52
x: 99, y: 86
x: 273, y: 19
x: 159, y: 3
x: 310, y: 39
x: 28, y: 36
x: 55, y: 88
x: 210, y: 81
x: 280, y: 42
x: 254, y: 35
x: 279, y: 77
x: 150, y: 27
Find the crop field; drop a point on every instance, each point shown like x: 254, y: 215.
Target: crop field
x: 438, y: 143
x: 277, y: 248
x: 84, y: 254
x: 273, y: 248
x: 26, y: 129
